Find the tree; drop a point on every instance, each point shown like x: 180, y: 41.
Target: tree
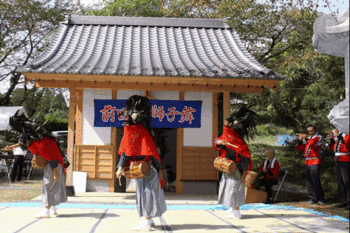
x: 44, y: 106
x: 158, y: 8
x: 24, y: 28
x: 265, y: 26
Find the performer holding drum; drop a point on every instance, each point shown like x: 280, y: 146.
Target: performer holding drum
x: 47, y: 156
x: 232, y: 146
x: 140, y: 159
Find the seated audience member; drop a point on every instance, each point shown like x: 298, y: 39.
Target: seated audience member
x: 269, y: 170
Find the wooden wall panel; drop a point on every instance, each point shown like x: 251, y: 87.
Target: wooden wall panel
x: 197, y: 163
x: 97, y: 161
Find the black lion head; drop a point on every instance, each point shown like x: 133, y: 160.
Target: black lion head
x: 243, y: 121
x: 28, y: 129
x: 138, y: 111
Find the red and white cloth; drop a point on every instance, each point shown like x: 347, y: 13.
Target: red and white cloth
x: 340, y: 145
x: 311, y: 147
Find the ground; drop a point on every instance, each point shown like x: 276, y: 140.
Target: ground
x: 290, y: 195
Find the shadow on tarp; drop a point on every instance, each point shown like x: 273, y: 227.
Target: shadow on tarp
x: 178, y: 227
x: 87, y: 215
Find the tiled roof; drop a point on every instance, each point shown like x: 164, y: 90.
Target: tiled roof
x: 148, y: 47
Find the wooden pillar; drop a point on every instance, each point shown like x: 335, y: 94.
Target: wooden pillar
x: 114, y: 144
x: 179, y: 147
x: 79, y: 117
x: 215, y: 123
x: 215, y: 116
x: 226, y: 103
x: 71, y: 136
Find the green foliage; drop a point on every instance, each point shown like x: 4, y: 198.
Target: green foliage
x: 149, y: 8
x: 271, y: 129
x: 156, y: 8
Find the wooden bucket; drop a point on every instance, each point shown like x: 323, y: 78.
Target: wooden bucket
x: 224, y: 165
x: 136, y: 170
x: 38, y: 162
x: 250, y: 178
x: 254, y: 196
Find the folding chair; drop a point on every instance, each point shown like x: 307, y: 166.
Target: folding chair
x: 282, y: 175
x: 28, y: 165
x: 3, y: 168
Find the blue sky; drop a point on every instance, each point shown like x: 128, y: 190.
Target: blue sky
x: 341, y: 4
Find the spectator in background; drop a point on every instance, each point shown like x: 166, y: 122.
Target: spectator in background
x: 268, y: 171
x: 19, y: 151
x: 311, y: 145
x: 340, y: 145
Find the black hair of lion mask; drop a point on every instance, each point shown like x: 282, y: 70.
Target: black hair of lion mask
x: 21, y: 124
x: 28, y: 130
x: 243, y: 121
x: 138, y: 111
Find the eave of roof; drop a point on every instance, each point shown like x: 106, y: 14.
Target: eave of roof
x: 146, y: 21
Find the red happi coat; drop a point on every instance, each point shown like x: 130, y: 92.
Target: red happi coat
x: 311, y: 147
x: 341, y: 148
x: 137, y: 141
x: 275, y: 170
x: 48, y: 149
x: 231, y: 136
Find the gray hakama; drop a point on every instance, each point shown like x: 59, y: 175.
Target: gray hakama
x: 57, y: 194
x: 150, y: 199
x: 231, y: 190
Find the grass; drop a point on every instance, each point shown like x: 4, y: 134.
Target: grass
x: 23, y: 191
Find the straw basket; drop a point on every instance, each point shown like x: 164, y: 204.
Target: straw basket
x: 254, y: 196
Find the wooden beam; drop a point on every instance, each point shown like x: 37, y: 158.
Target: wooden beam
x: 154, y: 80
x: 148, y: 86
x: 226, y: 103
x: 71, y: 132
x: 179, y: 153
x: 114, y: 144
x: 79, y: 117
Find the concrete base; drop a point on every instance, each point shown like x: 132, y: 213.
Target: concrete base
x: 97, y: 186
x: 199, y: 187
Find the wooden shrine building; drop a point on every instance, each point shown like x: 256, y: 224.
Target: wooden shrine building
x: 176, y: 59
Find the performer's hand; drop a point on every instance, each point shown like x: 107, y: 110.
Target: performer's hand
x: 330, y: 133
x: 265, y: 170
x: 244, y: 175
x: 160, y: 174
x: 55, y: 175
x: 221, y: 142
x: 119, y: 172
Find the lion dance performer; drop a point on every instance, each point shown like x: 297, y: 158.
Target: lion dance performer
x: 138, y: 145
x: 232, y: 146
x: 47, y: 156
